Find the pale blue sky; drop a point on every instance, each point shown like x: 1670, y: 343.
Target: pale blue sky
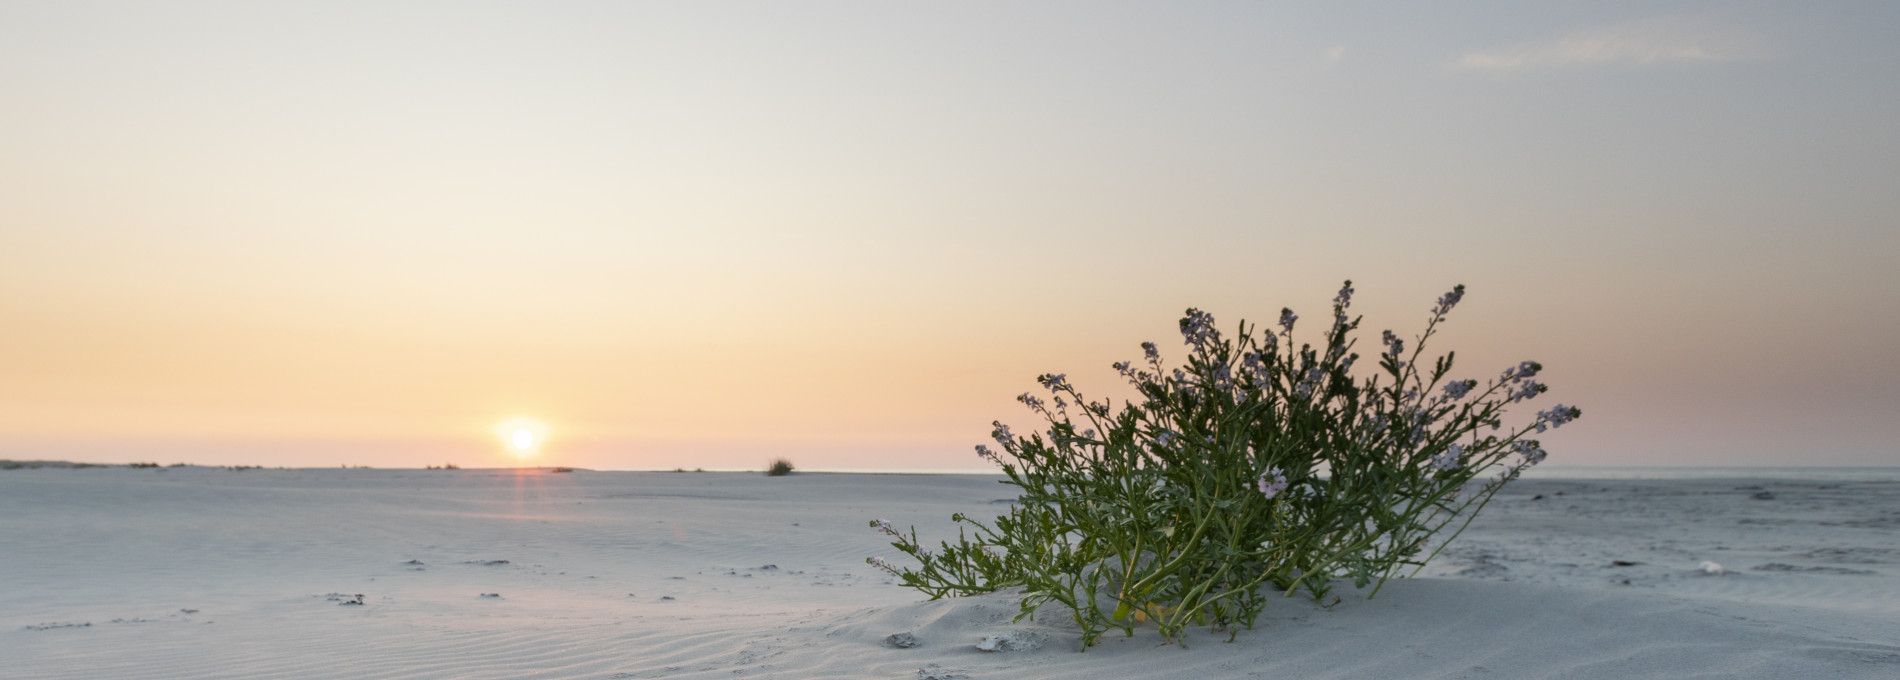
x: 706, y: 233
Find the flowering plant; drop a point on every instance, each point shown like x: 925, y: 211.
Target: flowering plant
x: 1256, y: 464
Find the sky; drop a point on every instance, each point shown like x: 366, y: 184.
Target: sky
x: 711, y: 234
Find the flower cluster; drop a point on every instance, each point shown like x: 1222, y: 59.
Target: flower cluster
x: 1259, y: 464
x: 1557, y: 416
x: 1197, y: 328
x: 1272, y: 483
x: 1450, y: 459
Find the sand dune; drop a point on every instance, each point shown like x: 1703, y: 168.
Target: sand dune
x: 203, y: 573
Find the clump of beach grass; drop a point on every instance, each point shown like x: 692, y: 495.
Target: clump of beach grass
x: 1260, y: 465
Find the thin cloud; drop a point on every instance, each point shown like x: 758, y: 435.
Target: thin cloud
x: 1643, y: 43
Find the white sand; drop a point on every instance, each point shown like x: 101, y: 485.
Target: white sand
x: 206, y: 573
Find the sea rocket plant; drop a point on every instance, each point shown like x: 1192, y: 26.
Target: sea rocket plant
x: 1258, y: 465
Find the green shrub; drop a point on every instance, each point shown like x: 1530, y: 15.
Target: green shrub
x: 1259, y: 464
x: 779, y: 468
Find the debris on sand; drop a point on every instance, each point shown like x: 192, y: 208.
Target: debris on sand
x: 1009, y: 642
x: 936, y: 672
x: 491, y: 596
x: 345, y: 600
x: 1712, y: 569
x: 487, y: 563
x: 901, y: 640
x: 1792, y: 568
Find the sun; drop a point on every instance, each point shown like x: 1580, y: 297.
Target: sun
x: 523, y: 437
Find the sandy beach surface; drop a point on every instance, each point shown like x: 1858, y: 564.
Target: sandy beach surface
x: 214, y: 573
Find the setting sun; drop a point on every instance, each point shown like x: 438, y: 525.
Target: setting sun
x: 522, y: 436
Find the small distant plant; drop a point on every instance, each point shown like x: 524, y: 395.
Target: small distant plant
x: 141, y: 466
x: 779, y: 468
x: 1257, y: 466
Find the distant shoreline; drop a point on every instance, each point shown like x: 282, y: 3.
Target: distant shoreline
x: 1569, y: 472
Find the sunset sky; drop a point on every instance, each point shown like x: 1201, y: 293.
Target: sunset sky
x: 709, y: 234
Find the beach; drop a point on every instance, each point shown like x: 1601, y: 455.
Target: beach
x: 354, y: 573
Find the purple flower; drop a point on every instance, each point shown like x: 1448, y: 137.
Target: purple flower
x: 1449, y: 300
x: 885, y: 528
x: 1457, y: 389
x: 1340, y: 303
x: 1309, y: 382
x: 1393, y: 345
x: 1556, y: 417
x: 1164, y: 438
x: 1032, y: 401
x: 1523, y: 371
x: 983, y: 451
x: 1530, y: 450
x: 1527, y: 390
x: 1271, y: 483
x: 1197, y: 328
x: 1450, y: 459
x: 1001, y: 433
x: 1148, y: 350
x: 1287, y: 317
x: 1056, y: 382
